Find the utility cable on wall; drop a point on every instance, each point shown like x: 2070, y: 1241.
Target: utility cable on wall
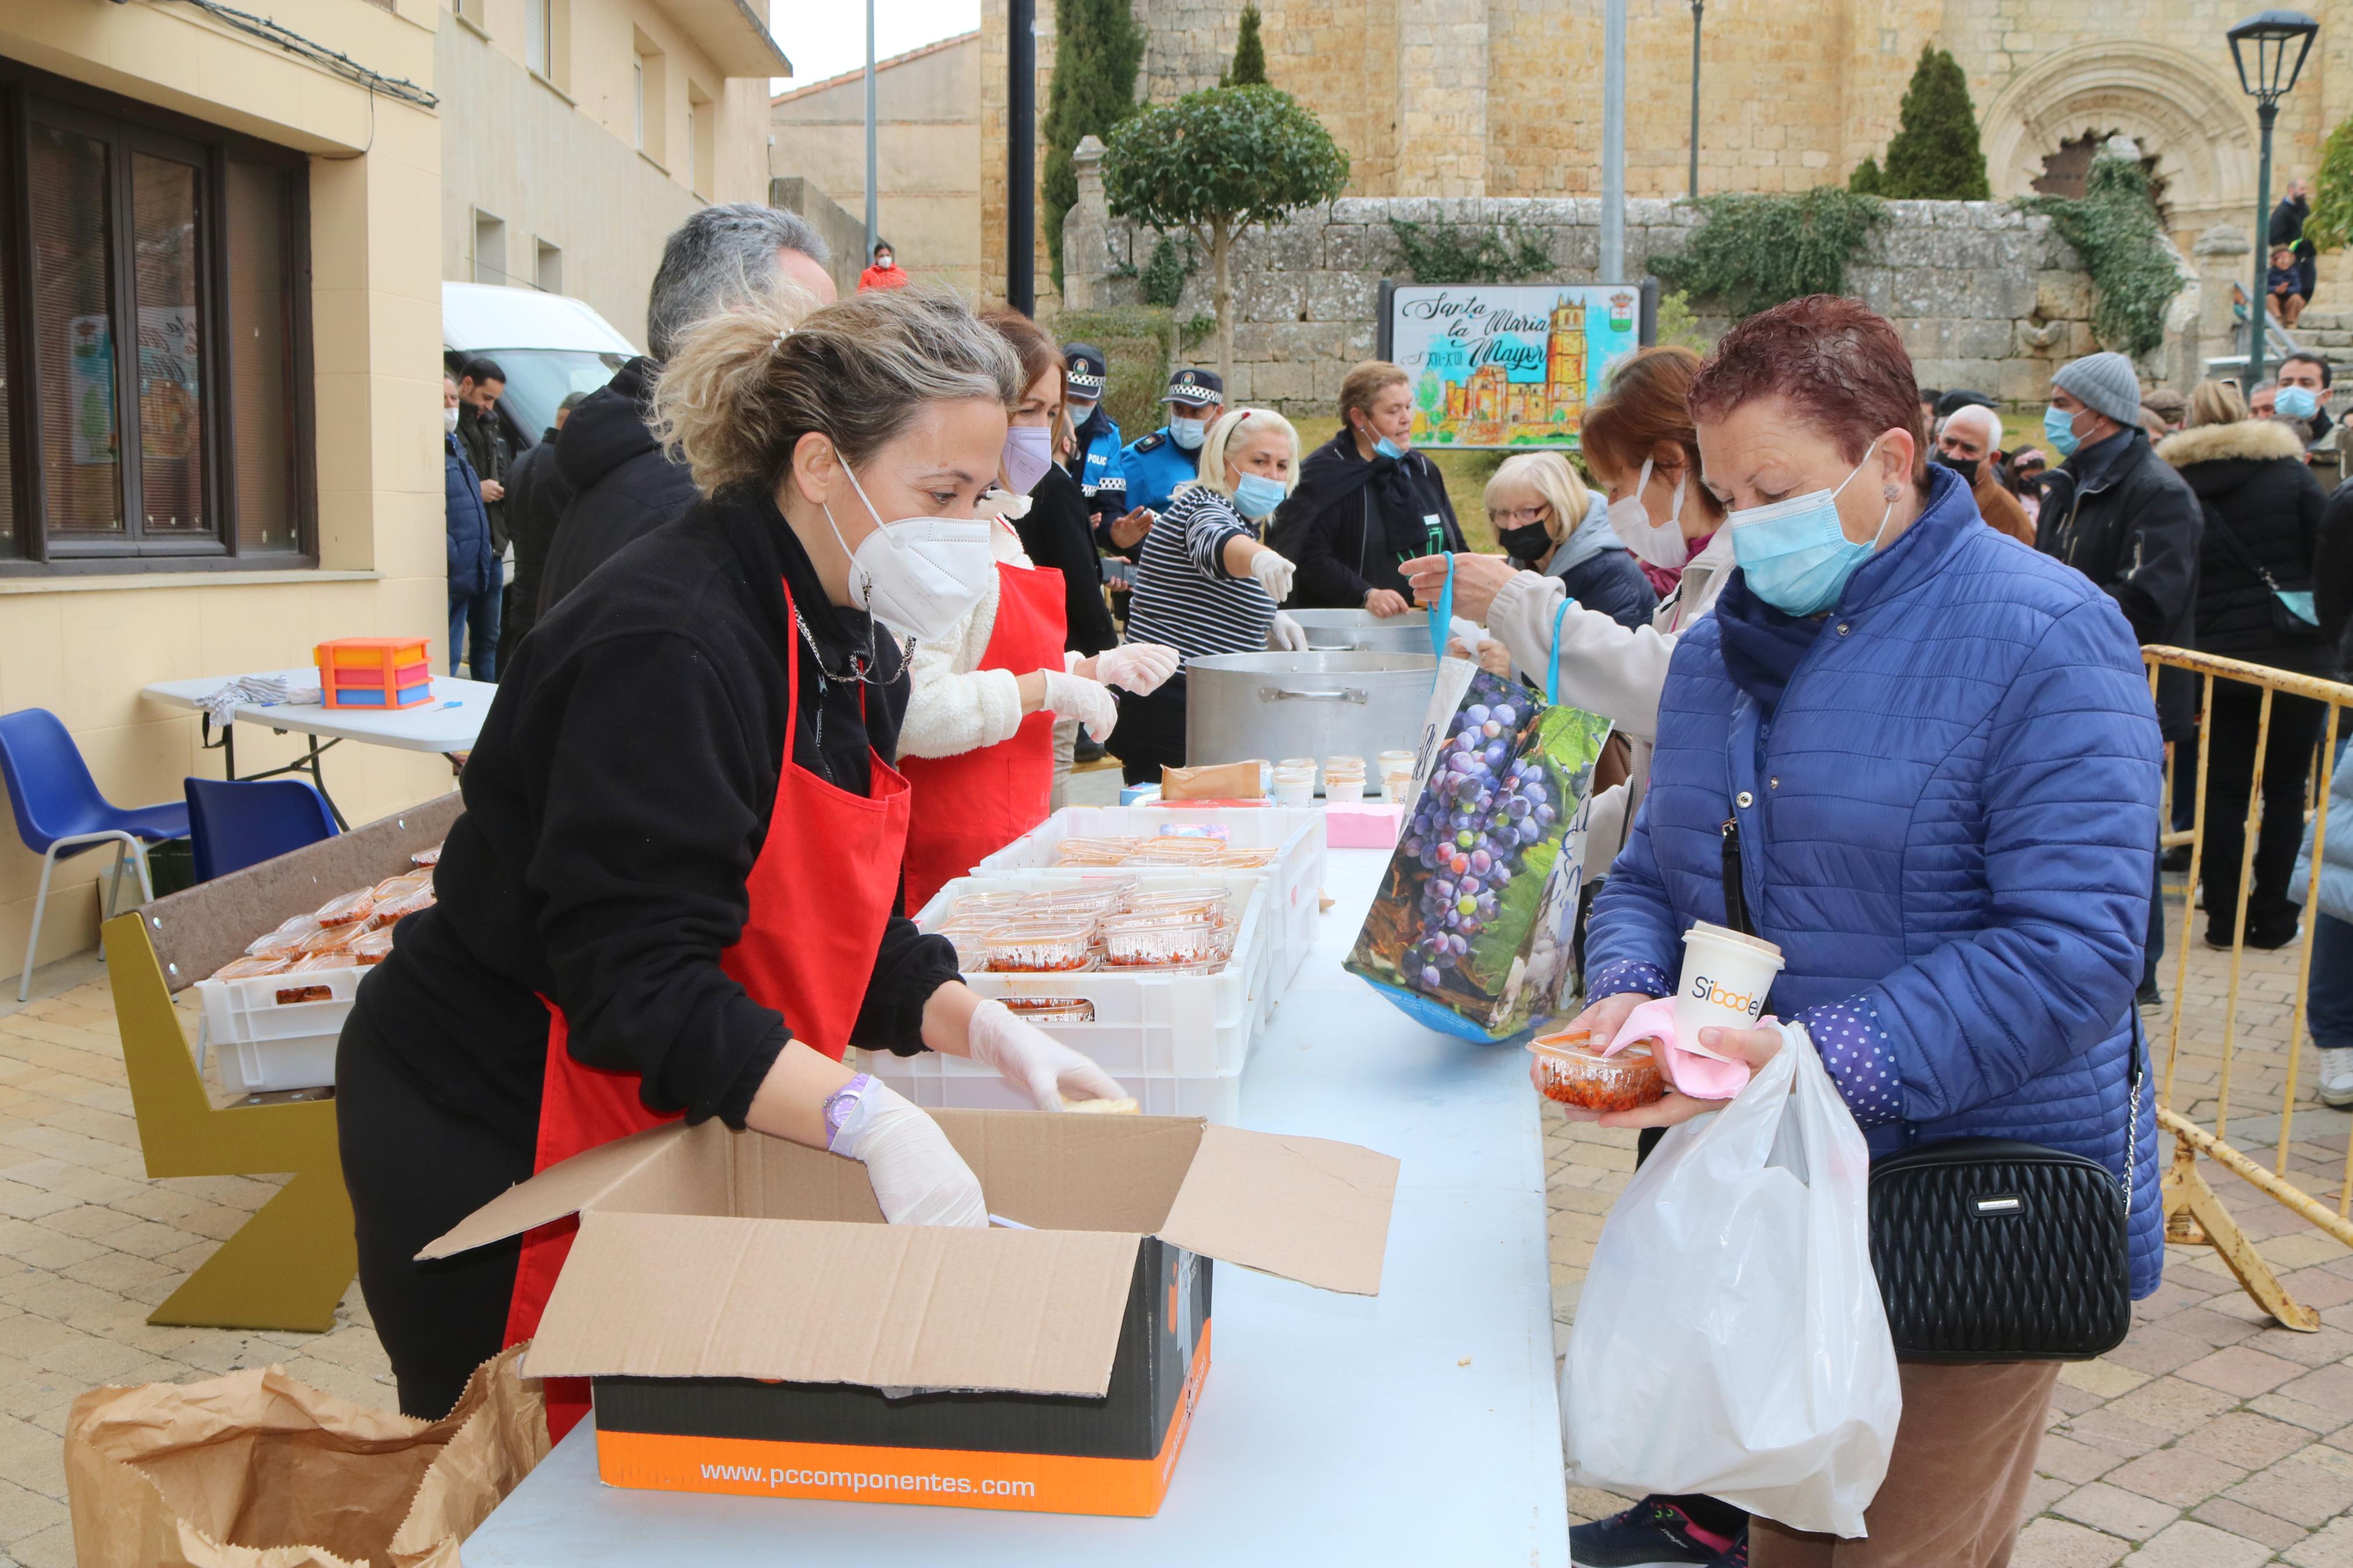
x: 317, y: 54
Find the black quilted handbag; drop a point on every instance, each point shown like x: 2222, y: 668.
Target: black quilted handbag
x: 1992, y: 1250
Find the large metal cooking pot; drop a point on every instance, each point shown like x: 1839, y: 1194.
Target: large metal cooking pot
x: 1363, y: 631
x: 1238, y: 706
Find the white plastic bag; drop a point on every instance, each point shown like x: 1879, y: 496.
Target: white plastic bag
x: 1730, y: 1338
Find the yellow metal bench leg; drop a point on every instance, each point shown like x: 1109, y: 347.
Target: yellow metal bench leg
x: 285, y: 1269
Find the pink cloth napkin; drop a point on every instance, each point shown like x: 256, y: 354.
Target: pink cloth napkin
x: 1702, y: 1077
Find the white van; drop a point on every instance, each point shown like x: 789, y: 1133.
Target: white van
x: 549, y: 345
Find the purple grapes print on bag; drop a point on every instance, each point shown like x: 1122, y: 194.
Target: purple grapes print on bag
x: 1471, y: 929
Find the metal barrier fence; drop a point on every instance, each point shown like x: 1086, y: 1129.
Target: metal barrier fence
x: 2194, y: 1213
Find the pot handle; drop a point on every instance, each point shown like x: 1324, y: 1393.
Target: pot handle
x: 1346, y: 694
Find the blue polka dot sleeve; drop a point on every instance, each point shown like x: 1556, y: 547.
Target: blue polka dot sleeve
x: 1860, y: 1059
x: 1626, y: 975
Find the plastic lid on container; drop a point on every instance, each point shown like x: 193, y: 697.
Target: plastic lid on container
x: 348, y: 909
x: 250, y: 967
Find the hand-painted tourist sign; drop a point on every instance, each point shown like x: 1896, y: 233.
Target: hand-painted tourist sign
x: 1513, y: 364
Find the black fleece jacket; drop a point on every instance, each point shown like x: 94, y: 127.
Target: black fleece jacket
x: 1057, y: 533
x: 623, y: 488
x: 2263, y: 508
x: 616, y: 802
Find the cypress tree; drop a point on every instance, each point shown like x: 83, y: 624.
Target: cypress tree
x: 1249, y: 68
x: 1866, y: 179
x: 1097, y: 47
x: 1935, y: 156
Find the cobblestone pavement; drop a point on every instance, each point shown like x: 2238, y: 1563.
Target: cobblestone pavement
x: 2212, y: 1438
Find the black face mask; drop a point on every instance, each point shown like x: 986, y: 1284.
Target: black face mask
x: 1526, y: 542
x: 1965, y: 467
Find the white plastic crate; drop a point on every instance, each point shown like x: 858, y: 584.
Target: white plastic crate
x: 1296, y: 832
x: 1144, y: 1022
x: 261, y: 1044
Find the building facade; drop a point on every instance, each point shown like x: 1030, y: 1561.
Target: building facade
x: 1503, y: 98
x: 926, y: 152
x: 575, y: 134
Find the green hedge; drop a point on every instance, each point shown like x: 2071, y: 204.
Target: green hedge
x: 1140, y: 342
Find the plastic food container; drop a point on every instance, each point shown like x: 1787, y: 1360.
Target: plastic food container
x: 248, y: 967
x: 349, y: 909
x: 1294, y: 785
x: 1574, y: 1073
x: 371, y: 947
x: 1051, y: 1009
x: 1090, y: 904
x: 1095, y: 851
x: 286, y: 941
x: 407, y: 882
x: 408, y: 903
x: 1031, y: 947
x: 1214, y: 908
x: 427, y: 856
x: 1133, y: 942
x: 329, y: 939
x: 314, y: 963
x: 1343, y: 778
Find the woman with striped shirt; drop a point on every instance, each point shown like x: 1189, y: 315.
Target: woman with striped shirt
x: 1204, y: 582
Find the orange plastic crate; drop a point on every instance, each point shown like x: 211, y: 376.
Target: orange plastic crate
x: 375, y: 672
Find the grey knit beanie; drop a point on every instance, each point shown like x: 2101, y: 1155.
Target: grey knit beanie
x: 2104, y: 384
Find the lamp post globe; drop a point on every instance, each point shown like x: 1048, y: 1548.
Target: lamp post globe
x: 2269, y: 48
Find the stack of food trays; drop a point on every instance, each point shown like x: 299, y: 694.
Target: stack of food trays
x: 1282, y: 845
x: 271, y: 1018
x: 1157, y: 974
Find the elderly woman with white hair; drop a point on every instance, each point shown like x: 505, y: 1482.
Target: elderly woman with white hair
x: 1969, y: 443
x: 1206, y: 582
x: 1548, y: 522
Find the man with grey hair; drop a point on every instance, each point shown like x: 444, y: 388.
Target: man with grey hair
x: 1969, y: 443
x: 622, y: 484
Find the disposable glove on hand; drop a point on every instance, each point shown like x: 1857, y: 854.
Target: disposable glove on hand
x: 1142, y: 668
x: 1087, y: 702
x: 1034, y: 1062
x: 1286, y: 636
x: 1274, y: 573
x: 918, y: 1177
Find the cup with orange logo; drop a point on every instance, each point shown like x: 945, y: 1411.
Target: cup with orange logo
x: 1726, y: 977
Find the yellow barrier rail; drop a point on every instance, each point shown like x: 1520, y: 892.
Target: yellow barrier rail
x: 2192, y: 1211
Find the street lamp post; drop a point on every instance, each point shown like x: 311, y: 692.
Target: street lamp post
x: 2278, y: 42
x: 1696, y: 7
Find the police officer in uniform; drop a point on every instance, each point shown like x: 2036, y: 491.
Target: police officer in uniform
x: 1094, y: 433
x: 1150, y: 469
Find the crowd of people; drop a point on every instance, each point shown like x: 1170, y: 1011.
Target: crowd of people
x: 871, y: 575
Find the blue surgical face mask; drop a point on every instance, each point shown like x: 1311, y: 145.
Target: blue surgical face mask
x: 1188, y: 433
x: 1793, y: 553
x: 1385, y: 447
x: 2059, y: 430
x: 2295, y: 403
x: 1255, y: 495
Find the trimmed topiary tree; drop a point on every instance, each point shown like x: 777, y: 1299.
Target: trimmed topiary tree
x: 1866, y: 179
x: 1214, y: 165
x: 1249, y: 68
x: 1936, y: 156
x: 1097, y: 47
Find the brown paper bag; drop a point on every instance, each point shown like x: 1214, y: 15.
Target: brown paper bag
x: 1217, y: 781
x: 258, y: 1470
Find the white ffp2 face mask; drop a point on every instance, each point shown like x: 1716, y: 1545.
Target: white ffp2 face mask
x: 1661, y: 544
x: 920, y: 576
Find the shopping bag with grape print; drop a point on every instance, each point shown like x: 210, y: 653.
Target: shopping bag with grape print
x: 1472, y: 930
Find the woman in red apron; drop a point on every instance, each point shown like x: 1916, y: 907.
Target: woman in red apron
x: 672, y: 892
x: 979, y: 742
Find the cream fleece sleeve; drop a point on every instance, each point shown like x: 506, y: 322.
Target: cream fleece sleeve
x: 954, y: 707
x: 1604, y: 667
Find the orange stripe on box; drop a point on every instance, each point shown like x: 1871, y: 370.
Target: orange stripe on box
x: 945, y: 1478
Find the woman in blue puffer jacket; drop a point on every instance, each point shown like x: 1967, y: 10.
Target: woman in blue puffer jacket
x: 1938, y: 751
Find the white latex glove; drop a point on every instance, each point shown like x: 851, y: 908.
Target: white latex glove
x: 1088, y: 702
x: 918, y: 1177
x: 1034, y: 1062
x: 1274, y: 573
x: 1142, y: 668
x: 1286, y: 636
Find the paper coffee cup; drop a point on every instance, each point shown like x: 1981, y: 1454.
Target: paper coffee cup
x: 1726, y: 977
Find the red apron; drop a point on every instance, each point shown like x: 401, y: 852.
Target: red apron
x: 972, y: 806
x: 810, y: 938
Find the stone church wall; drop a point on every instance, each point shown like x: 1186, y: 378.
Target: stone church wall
x: 1987, y: 297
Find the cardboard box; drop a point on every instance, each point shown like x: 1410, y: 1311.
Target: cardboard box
x: 751, y: 1325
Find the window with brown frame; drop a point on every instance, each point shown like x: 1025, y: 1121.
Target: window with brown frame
x: 154, y: 339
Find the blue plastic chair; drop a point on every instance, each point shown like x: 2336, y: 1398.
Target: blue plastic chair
x: 235, y: 825
x: 61, y: 814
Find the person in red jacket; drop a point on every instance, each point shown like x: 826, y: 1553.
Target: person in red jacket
x: 886, y: 272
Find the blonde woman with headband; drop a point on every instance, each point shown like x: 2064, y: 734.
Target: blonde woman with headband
x: 1206, y: 582
x: 672, y: 890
